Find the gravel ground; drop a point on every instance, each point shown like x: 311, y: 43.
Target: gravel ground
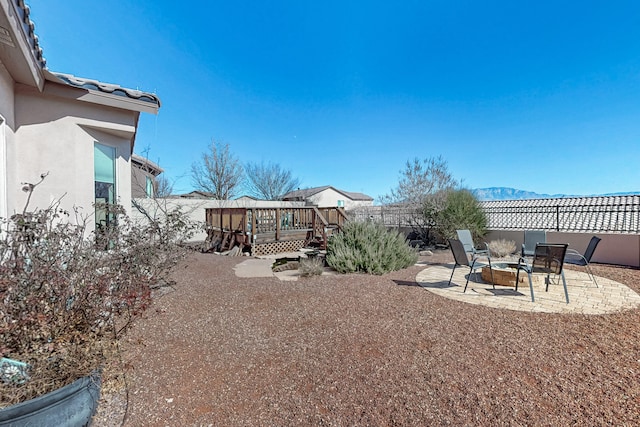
x: 366, y: 350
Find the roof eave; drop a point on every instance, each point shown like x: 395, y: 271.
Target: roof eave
x: 24, y: 55
x: 153, y: 168
x: 60, y: 88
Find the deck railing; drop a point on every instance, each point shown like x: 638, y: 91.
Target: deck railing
x: 389, y: 216
x: 276, y: 223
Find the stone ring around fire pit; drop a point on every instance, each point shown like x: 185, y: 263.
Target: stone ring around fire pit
x: 504, y: 274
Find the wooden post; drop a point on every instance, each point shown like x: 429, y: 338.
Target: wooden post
x: 254, y: 225
x: 277, y: 223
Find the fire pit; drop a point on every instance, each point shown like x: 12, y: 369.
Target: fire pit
x: 504, y: 274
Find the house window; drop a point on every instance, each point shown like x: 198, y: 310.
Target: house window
x: 149, y: 187
x: 3, y: 170
x: 104, y: 164
x: 341, y: 203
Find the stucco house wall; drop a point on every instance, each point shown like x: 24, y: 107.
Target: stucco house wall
x: 332, y: 198
x: 328, y: 197
x: 57, y: 135
x: 6, y: 135
x: 49, y: 123
x: 142, y: 169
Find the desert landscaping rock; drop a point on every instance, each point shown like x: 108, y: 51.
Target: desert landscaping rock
x: 369, y: 350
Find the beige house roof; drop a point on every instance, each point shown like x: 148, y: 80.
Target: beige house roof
x: 196, y: 194
x: 308, y: 192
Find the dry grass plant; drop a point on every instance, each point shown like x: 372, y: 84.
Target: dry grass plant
x: 502, y: 248
x: 313, y: 266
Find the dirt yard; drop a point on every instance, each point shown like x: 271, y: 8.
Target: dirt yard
x: 366, y: 350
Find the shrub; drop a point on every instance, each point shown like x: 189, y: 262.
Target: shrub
x: 502, y: 247
x: 313, y: 266
x: 462, y: 211
x: 64, y: 299
x: 368, y: 247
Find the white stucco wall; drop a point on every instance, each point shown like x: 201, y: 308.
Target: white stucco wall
x: 195, y: 208
x: 57, y: 135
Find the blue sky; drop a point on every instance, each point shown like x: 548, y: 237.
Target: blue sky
x: 541, y: 96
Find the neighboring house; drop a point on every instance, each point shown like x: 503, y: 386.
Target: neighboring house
x: 80, y: 131
x: 143, y: 177
x: 246, y: 198
x: 327, y: 196
x: 199, y: 194
x: 196, y: 194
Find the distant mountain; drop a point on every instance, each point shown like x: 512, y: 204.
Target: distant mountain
x: 628, y: 193
x: 506, y: 193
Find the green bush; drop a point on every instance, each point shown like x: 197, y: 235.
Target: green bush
x: 368, y: 247
x: 462, y: 210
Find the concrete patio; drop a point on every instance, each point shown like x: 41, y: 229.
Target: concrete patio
x: 584, y: 296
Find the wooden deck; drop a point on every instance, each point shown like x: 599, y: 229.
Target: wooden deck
x: 271, y: 230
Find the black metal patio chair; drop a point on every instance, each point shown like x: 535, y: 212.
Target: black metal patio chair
x: 574, y: 257
x: 461, y: 259
x: 547, y: 258
x: 467, y: 241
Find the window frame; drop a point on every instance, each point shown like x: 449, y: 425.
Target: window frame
x: 113, y: 197
x: 149, y: 187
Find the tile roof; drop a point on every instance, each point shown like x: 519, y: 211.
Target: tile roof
x: 28, y: 27
x: 146, y: 164
x: 114, y: 89
x: 620, y: 214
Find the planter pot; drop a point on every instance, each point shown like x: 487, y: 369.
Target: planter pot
x: 69, y: 406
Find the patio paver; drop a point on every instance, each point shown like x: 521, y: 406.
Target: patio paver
x: 584, y: 296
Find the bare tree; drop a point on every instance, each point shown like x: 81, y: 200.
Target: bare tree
x: 422, y: 189
x: 164, y: 187
x: 218, y: 172
x: 269, y: 181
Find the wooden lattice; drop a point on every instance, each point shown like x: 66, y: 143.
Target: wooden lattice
x: 277, y: 247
